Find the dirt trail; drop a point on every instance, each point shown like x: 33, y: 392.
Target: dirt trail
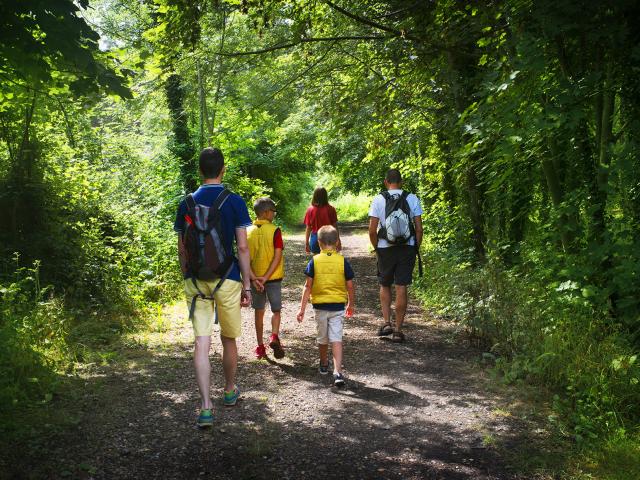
x: 418, y: 410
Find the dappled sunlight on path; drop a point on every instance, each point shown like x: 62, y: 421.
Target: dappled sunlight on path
x: 418, y: 410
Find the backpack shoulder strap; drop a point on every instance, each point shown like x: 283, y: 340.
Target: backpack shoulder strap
x: 222, y: 197
x: 191, y: 203
x: 404, y: 203
x: 217, y: 205
x: 407, y: 208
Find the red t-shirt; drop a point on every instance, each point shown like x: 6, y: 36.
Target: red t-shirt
x: 277, y: 239
x: 317, y: 217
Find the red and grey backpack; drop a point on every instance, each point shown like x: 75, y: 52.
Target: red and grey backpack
x: 203, y: 239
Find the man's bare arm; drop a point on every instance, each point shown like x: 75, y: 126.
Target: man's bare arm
x: 373, y: 231
x: 243, y: 257
x: 417, y: 222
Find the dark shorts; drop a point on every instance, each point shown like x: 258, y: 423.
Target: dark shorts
x: 395, y: 265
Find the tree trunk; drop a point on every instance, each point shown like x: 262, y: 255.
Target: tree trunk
x: 202, y: 106
x: 181, y: 146
x: 475, y: 195
x: 555, y: 190
x: 604, y: 128
x: 475, y: 210
x: 216, y: 96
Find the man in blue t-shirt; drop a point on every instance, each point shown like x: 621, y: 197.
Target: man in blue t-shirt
x: 233, y: 293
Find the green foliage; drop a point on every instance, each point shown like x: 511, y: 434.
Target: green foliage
x: 544, y: 331
x: 517, y: 124
x: 350, y: 207
x: 33, y: 331
x: 51, y: 49
x: 618, y: 459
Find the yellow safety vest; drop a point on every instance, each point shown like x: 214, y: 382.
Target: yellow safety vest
x: 329, y: 284
x: 261, y: 249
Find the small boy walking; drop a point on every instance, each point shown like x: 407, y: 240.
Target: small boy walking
x: 267, y: 271
x: 329, y: 284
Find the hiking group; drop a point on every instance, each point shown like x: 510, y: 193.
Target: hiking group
x: 218, y: 283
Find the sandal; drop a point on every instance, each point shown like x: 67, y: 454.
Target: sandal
x: 385, y: 330
x: 397, y: 337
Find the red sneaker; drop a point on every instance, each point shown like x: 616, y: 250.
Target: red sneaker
x: 260, y: 351
x: 274, y: 343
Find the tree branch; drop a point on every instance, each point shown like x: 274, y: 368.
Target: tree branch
x: 371, y: 23
x: 303, y: 40
x: 396, y: 12
x: 295, y: 78
x: 69, y: 129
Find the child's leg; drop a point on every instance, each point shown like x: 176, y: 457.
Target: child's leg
x: 322, y: 338
x: 274, y: 294
x: 336, y: 353
x: 259, y: 317
x: 334, y: 332
x: 275, y: 322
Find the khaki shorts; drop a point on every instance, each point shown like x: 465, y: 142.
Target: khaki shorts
x: 227, y: 302
x: 329, y: 326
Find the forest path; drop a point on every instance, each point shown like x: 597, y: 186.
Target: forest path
x: 419, y: 410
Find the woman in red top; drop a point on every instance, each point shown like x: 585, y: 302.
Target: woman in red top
x: 319, y: 214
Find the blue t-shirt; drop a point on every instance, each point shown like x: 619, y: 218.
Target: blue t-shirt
x: 348, y: 275
x: 234, y: 215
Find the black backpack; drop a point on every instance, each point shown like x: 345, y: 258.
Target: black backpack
x: 397, y: 227
x: 203, y: 239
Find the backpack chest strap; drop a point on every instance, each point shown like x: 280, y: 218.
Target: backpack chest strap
x: 200, y: 294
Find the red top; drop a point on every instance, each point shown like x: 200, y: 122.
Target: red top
x: 277, y: 239
x: 317, y: 217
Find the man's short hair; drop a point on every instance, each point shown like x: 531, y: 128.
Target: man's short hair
x: 393, y: 176
x: 263, y: 204
x: 328, y: 235
x: 211, y: 162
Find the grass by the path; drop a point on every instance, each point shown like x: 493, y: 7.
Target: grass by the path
x: 352, y: 208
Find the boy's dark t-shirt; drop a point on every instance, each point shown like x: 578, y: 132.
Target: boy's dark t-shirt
x: 348, y: 275
x: 234, y: 215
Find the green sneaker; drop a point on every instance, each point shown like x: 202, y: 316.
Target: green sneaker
x: 231, y: 397
x: 205, y: 419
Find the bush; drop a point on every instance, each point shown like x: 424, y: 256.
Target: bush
x: 543, y: 331
x: 350, y: 207
x: 33, y: 331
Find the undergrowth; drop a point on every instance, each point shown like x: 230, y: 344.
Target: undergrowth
x: 46, y: 337
x: 540, y: 328
x: 352, y: 208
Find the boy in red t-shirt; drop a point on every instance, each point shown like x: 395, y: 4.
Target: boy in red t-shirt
x: 267, y: 271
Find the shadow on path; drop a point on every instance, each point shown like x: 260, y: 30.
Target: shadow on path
x: 419, y: 410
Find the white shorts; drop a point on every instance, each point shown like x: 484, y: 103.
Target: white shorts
x: 329, y: 326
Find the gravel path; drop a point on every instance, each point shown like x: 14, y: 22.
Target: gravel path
x: 419, y: 410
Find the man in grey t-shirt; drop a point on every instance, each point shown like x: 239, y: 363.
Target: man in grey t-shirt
x: 395, y: 261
